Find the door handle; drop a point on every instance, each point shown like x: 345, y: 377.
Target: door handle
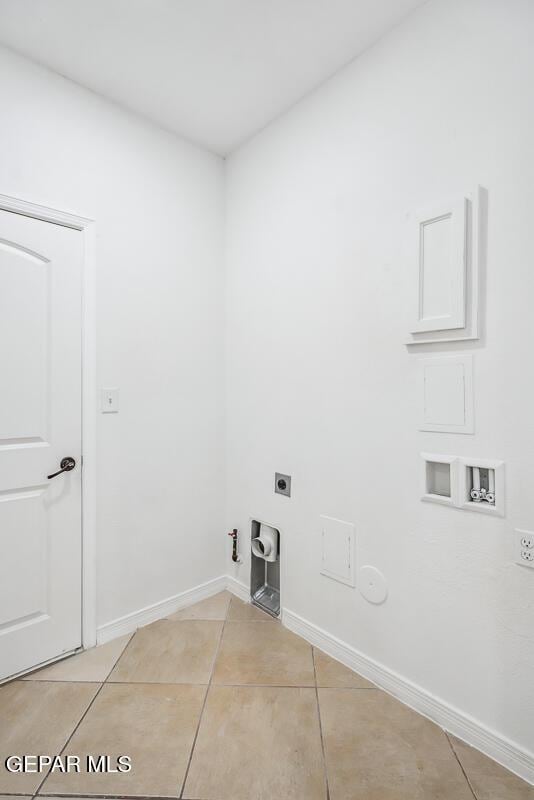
x: 66, y: 465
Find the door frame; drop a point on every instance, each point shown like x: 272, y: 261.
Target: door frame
x: 87, y: 228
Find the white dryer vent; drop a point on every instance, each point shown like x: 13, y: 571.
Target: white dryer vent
x: 265, y: 545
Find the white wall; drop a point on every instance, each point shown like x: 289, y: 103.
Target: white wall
x: 320, y: 384
x: 157, y: 202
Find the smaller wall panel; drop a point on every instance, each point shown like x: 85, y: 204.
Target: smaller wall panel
x: 446, y: 394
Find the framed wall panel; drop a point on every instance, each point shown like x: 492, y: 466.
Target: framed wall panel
x: 440, y: 239
x: 446, y: 250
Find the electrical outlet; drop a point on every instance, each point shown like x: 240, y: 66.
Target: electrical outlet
x: 524, y: 548
x: 282, y: 484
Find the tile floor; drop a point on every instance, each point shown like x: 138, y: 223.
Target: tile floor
x: 220, y: 702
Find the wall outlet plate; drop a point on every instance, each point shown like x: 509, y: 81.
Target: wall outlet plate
x: 282, y: 484
x: 524, y: 548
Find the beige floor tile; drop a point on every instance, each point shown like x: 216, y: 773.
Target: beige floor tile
x: 170, y: 652
x: 378, y: 749
x: 92, y: 665
x: 258, y: 743
x: 154, y: 725
x: 37, y: 718
x: 246, y: 612
x: 215, y: 607
x: 489, y: 780
x: 331, y: 674
x: 263, y: 653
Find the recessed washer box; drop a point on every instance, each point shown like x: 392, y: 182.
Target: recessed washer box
x: 481, y: 485
x: 474, y: 484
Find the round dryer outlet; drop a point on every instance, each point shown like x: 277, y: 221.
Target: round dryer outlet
x: 372, y: 585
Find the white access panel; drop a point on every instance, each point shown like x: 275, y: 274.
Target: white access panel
x: 446, y: 394
x: 439, y: 253
x: 337, y: 560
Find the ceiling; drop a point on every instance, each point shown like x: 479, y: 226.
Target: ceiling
x: 213, y: 71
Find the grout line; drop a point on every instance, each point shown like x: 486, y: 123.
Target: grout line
x: 239, y: 685
x: 102, y: 684
x: 72, y: 796
x: 299, y: 686
x: 124, y: 649
x: 155, y: 683
x: 350, y: 688
x: 54, y: 680
x: 40, y: 786
x: 455, y: 754
x: 182, y: 789
x: 320, y: 725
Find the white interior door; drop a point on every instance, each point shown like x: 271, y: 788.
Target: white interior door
x: 40, y: 424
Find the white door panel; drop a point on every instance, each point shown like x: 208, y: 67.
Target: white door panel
x: 40, y: 423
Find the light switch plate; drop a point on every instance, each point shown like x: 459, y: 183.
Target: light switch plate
x: 109, y: 400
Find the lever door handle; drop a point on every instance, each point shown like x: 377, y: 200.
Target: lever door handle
x: 66, y: 465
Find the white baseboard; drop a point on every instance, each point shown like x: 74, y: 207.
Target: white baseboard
x: 474, y: 733
x: 240, y: 590
x: 130, y: 622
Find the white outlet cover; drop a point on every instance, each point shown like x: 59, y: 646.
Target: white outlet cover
x: 524, y: 544
x: 372, y: 585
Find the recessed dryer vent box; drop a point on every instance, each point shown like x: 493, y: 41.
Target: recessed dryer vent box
x: 440, y: 479
x: 265, y: 567
x: 482, y: 485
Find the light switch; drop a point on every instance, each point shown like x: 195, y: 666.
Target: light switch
x: 110, y: 400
